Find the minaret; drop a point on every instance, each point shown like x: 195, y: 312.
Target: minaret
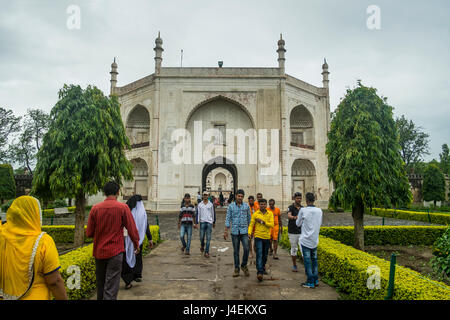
x: 325, y: 73
x: 158, y: 53
x: 114, y: 74
x: 281, y: 50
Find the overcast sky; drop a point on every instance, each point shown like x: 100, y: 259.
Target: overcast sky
x: 407, y: 60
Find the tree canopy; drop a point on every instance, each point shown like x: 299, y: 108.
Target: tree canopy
x: 364, y: 160
x: 24, y: 149
x: 433, y: 188
x: 7, y: 182
x: 8, y: 124
x: 82, y: 150
x: 444, y: 158
x: 414, y: 142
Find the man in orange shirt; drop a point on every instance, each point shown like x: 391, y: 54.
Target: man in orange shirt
x: 276, y: 228
x: 254, y: 206
x: 258, y: 198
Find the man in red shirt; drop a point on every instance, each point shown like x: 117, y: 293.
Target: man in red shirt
x: 105, y: 224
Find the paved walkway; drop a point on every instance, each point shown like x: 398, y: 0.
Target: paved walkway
x: 169, y: 274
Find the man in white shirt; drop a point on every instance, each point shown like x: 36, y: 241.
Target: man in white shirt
x: 310, y: 219
x: 206, y: 217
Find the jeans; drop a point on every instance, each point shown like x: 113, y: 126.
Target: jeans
x: 237, y: 239
x: 311, y: 266
x: 186, y: 229
x: 262, y: 251
x: 205, y: 229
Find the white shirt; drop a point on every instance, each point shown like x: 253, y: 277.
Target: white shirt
x: 310, y: 219
x: 205, y: 212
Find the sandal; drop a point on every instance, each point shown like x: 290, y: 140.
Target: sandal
x: 128, y: 286
x: 275, y: 257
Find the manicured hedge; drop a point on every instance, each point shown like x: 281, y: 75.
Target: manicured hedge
x: 48, y: 213
x: 347, y: 267
x: 387, y: 235
x: 437, y: 218
x: 83, y: 258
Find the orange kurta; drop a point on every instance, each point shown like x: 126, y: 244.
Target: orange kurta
x: 276, y: 219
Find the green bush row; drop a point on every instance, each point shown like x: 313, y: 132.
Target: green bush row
x: 437, y: 218
x: 48, y: 213
x: 82, y: 257
x: 348, y: 268
x: 387, y: 235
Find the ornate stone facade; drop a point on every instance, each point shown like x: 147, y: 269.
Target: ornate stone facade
x: 172, y: 98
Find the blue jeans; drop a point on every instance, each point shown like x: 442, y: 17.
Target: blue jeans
x: 262, y: 251
x: 205, y: 229
x: 237, y: 239
x: 186, y: 229
x: 311, y: 266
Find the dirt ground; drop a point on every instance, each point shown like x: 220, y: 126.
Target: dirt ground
x: 416, y: 258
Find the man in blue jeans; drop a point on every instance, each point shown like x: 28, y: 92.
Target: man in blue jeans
x: 185, y: 222
x: 310, y: 219
x: 206, y: 217
x: 238, y: 216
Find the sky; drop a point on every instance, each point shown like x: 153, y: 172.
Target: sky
x: 406, y: 58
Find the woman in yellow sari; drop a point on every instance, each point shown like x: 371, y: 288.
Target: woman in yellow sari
x: 29, y: 260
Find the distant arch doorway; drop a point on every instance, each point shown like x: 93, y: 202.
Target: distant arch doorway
x: 230, y: 171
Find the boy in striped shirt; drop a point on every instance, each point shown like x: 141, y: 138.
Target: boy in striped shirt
x: 185, y: 222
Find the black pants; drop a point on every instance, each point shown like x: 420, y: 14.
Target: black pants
x: 108, y: 276
x: 130, y: 274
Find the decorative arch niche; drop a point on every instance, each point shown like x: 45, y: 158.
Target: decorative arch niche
x: 302, y: 128
x: 138, y: 127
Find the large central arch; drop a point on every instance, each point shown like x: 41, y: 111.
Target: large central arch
x: 220, y: 162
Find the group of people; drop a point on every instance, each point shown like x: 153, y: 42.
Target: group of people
x: 217, y: 201
x: 256, y: 225
x: 29, y: 259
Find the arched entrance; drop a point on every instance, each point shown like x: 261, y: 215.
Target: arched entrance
x: 225, y: 179
x: 139, y: 185
x: 303, y: 175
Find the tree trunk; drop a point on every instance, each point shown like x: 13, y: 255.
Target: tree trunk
x: 80, y: 203
x: 358, y: 220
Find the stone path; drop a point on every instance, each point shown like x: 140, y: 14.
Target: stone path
x: 169, y: 274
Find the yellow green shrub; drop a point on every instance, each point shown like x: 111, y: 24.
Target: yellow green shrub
x: 347, y: 267
x: 387, y: 235
x: 437, y: 218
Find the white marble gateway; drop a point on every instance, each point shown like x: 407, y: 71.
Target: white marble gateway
x: 243, y: 101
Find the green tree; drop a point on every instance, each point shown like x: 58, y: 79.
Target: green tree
x: 364, y: 157
x: 8, y: 124
x: 7, y: 182
x: 82, y: 150
x: 414, y: 143
x: 444, y: 158
x: 24, y: 149
x: 433, y: 187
